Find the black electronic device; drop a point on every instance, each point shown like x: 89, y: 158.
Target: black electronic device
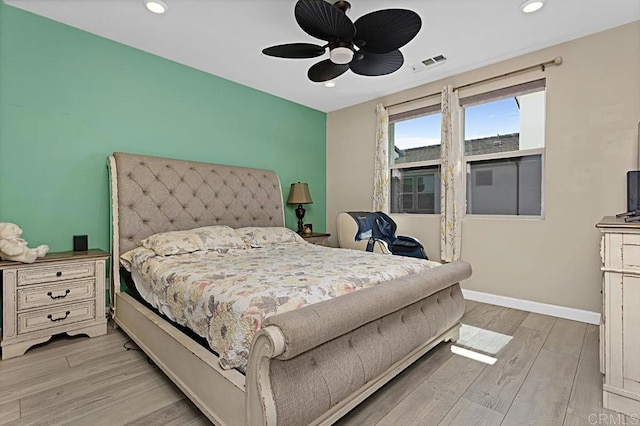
x: 633, y: 187
x: 80, y: 243
x: 633, y: 190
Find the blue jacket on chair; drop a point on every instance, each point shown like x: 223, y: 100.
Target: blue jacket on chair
x: 377, y: 226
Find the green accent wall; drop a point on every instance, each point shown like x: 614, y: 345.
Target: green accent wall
x: 68, y: 99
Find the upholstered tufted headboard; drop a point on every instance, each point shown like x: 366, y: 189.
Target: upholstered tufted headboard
x: 153, y: 194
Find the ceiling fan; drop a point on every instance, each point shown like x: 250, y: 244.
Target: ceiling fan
x: 367, y: 47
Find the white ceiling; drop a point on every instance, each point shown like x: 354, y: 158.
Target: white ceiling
x: 225, y: 37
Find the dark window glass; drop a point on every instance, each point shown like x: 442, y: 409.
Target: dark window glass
x: 415, y: 190
x: 514, y: 188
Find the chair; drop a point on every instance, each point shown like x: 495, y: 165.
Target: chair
x: 376, y: 232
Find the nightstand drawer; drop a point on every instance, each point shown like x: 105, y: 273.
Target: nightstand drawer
x: 57, y: 316
x: 61, y: 272
x: 55, y: 294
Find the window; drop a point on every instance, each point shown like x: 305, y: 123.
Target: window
x: 503, y: 153
x: 504, y: 148
x: 415, y: 190
x: 414, y: 140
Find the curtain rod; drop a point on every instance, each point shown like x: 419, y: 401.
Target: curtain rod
x: 542, y: 66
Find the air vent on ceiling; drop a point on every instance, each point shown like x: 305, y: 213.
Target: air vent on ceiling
x: 434, y: 60
x: 430, y: 62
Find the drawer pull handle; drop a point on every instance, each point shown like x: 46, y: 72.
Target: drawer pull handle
x: 60, y: 296
x: 58, y: 319
x: 59, y: 274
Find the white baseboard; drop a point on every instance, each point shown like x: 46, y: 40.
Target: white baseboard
x: 530, y: 306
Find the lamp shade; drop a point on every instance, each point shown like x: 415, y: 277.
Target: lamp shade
x: 299, y: 194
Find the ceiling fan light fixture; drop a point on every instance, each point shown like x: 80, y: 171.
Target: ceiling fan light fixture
x: 156, y: 6
x: 329, y: 84
x: 531, y: 6
x: 341, y: 55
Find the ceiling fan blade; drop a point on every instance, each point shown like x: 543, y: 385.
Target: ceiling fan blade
x: 377, y: 64
x: 295, y: 51
x: 324, y: 21
x: 386, y: 30
x: 326, y: 70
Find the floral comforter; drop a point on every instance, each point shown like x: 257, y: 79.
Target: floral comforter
x: 225, y: 296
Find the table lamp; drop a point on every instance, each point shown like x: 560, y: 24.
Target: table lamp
x: 299, y: 194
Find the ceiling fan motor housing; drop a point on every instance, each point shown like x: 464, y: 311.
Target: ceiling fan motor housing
x: 343, y: 5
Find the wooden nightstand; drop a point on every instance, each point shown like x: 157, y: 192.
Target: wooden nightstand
x: 317, y: 238
x: 59, y: 293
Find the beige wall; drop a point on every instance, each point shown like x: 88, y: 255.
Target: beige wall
x: 593, y: 109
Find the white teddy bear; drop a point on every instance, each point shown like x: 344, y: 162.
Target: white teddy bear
x: 14, y: 248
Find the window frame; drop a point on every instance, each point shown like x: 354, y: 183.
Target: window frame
x: 405, y: 116
x: 538, y: 85
x: 513, y: 90
x: 500, y: 156
x: 415, y: 194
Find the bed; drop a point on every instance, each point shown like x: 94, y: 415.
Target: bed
x: 304, y: 366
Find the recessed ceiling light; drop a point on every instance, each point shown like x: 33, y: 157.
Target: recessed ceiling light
x: 329, y: 84
x: 530, y: 6
x: 156, y: 6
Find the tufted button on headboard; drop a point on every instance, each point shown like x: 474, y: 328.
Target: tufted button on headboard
x: 156, y: 194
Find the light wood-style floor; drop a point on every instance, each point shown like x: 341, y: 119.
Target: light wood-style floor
x: 546, y: 375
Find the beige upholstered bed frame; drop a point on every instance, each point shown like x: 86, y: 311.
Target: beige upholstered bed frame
x: 308, y: 366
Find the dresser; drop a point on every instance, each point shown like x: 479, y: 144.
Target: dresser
x: 59, y: 293
x: 620, y: 327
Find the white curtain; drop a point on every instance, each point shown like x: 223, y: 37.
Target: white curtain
x: 451, y: 177
x: 381, y: 164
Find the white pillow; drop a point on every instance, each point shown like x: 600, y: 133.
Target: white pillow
x: 136, y: 256
x: 256, y: 236
x: 198, y: 239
